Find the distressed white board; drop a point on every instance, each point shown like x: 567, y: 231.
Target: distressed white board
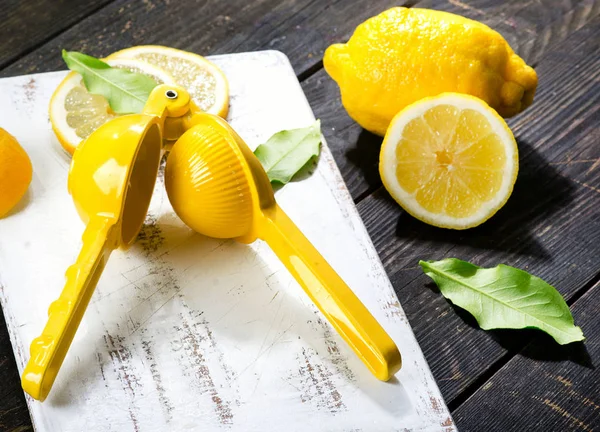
x: 190, y: 333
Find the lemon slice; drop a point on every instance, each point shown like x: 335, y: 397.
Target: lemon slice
x: 449, y: 160
x: 204, y: 81
x: 75, y: 113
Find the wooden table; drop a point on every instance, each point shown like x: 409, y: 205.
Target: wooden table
x: 494, y: 380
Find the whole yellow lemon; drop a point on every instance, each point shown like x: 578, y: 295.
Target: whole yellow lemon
x: 403, y: 55
x: 15, y: 172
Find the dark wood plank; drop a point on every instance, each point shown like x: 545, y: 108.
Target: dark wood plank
x: 356, y: 150
x: 531, y: 27
x: 300, y: 28
x: 14, y: 415
x: 27, y: 24
x: 547, y: 387
x: 221, y: 28
x: 550, y: 226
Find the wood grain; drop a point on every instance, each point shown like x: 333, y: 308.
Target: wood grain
x: 182, y: 324
x: 546, y: 387
x: 529, y: 26
x: 357, y: 151
x: 302, y: 29
x: 558, y: 144
x: 27, y: 24
x: 14, y: 415
x: 550, y: 226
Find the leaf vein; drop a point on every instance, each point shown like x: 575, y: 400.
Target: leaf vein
x: 112, y: 84
x: 483, y: 293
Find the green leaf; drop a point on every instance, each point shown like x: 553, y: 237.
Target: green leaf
x: 286, y: 152
x: 504, y: 297
x: 125, y: 91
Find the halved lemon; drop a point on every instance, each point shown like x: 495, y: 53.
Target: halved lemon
x: 449, y: 160
x: 204, y: 81
x: 75, y: 113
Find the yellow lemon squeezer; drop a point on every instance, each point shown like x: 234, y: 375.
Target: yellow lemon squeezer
x: 111, y: 180
x: 217, y: 187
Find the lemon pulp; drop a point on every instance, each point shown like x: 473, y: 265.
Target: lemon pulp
x: 198, y: 81
x: 75, y: 113
x: 85, y: 111
x: 204, y: 81
x: 449, y: 164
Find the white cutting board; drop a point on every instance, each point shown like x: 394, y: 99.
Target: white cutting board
x: 186, y: 332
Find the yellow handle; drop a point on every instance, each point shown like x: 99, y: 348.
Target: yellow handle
x: 332, y: 296
x: 49, y: 349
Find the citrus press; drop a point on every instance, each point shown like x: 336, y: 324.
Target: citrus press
x: 111, y: 180
x: 218, y: 188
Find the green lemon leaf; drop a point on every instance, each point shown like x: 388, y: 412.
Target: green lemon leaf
x: 504, y: 297
x: 286, y: 152
x: 125, y: 91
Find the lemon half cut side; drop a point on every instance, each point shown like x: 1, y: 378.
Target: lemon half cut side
x: 206, y: 83
x: 450, y: 160
x: 75, y: 113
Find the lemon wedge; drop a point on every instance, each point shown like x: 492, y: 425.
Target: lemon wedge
x: 204, y: 81
x: 450, y: 160
x: 75, y: 113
